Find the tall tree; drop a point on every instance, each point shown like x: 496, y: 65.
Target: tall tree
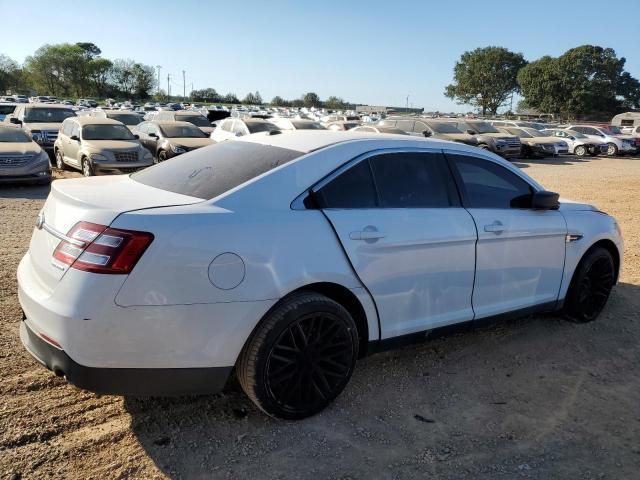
x: 586, y: 80
x: 311, y: 99
x: 335, y: 103
x: 486, y: 78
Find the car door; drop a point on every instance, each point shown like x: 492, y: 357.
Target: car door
x: 72, y: 146
x: 520, y: 251
x: 399, y: 219
x: 142, y: 130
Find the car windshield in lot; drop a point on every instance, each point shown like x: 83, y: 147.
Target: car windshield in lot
x: 7, y: 109
x: 256, y: 127
x: 126, y: 119
x: 615, y: 130
x: 13, y: 135
x: 182, y: 131
x: 519, y: 132
x: 307, y: 125
x: 197, y: 120
x: 224, y: 166
x: 106, y: 132
x: 575, y: 134
x: 534, y: 132
x: 47, y: 115
x: 443, y: 127
x: 480, y: 127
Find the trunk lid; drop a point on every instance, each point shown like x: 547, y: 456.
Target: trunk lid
x: 97, y: 200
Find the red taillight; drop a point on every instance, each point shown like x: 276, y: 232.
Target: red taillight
x: 100, y: 249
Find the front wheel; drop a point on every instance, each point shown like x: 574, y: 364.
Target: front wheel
x: 580, y: 151
x: 300, y: 358
x: 612, y: 150
x: 60, y: 161
x: 162, y: 156
x: 87, y: 168
x: 590, y: 286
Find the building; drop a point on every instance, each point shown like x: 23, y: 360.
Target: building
x: 387, y: 110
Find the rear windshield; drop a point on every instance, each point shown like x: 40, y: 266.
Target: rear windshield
x: 13, y: 135
x: 197, y: 120
x: 256, y: 127
x: 307, y: 126
x: 215, y: 170
x: 126, y: 119
x: 181, y: 131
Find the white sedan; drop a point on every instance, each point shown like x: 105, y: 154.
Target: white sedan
x: 286, y: 257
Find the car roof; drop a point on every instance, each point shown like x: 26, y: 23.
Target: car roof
x: 47, y: 105
x: 309, y: 140
x: 119, y: 112
x: 161, y: 123
x: 89, y: 120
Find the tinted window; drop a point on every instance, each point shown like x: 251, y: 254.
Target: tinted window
x: 66, y: 128
x: 181, y: 131
x: 351, y: 189
x: 410, y: 180
x: 255, y: 127
x: 220, y: 168
x: 488, y: 185
x: 406, y: 125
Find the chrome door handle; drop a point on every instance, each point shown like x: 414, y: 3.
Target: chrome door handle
x: 496, y: 227
x: 366, y: 235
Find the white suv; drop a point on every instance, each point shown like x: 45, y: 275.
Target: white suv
x: 618, y: 144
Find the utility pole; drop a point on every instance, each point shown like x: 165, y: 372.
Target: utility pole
x: 407, y: 107
x: 184, y: 88
x: 158, y: 67
x: 168, y: 87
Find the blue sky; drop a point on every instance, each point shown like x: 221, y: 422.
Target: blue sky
x: 374, y: 52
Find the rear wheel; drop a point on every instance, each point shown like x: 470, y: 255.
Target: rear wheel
x: 580, y: 151
x: 87, y: 168
x: 300, y: 358
x: 60, y: 160
x: 590, y: 286
x: 612, y: 150
x: 162, y: 156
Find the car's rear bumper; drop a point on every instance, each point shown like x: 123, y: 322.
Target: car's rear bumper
x: 124, y: 381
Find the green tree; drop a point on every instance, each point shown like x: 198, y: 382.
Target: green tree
x: 250, y: 99
x: 231, y: 98
x: 586, y: 80
x: 486, y: 78
x: 10, y: 74
x: 335, y: 103
x: 311, y: 99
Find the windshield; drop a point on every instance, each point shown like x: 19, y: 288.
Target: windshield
x: 535, y: 132
x: 47, y: 115
x: 7, y: 109
x: 575, y: 134
x: 197, y: 120
x: 307, y: 126
x: 615, y: 130
x: 519, y: 132
x: 443, y: 127
x: 224, y: 166
x: 606, y: 131
x: 13, y: 135
x: 255, y: 127
x: 480, y: 127
x: 106, y: 132
x: 126, y: 119
x: 182, y: 131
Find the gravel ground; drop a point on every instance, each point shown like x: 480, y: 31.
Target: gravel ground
x: 534, y: 398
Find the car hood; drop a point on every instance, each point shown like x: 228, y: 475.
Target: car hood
x: 28, y: 148
x: 542, y: 141
x: 111, y: 144
x: 207, y: 130
x: 460, y: 137
x: 41, y: 126
x: 191, y: 142
x: 567, y: 204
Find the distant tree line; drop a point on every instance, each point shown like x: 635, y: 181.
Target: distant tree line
x: 310, y: 99
x: 76, y: 70
x: 586, y: 81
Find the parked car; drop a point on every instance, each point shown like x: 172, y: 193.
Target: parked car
x: 618, y: 144
x: 169, y: 139
x: 294, y: 256
x: 6, y: 109
x: 633, y: 131
x: 99, y: 146
x: 327, y: 119
x: 378, y: 129
x: 42, y: 121
x: 130, y: 119
x: 430, y: 128
x: 579, y: 144
x: 195, y: 118
x: 295, y: 124
x: 21, y: 99
x: 87, y: 102
x: 537, y: 143
x: 7, y: 98
x: 490, y: 138
x: 341, y: 125
x: 21, y: 159
x: 236, y: 127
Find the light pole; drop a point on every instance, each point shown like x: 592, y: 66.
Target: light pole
x: 184, y: 88
x: 158, y: 67
x: 407, y: 107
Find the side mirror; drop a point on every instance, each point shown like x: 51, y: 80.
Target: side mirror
x: 16, y: 121
x: 75, y: 137
x: 426, y: 133
x: 238, y: 134
x: 137, y: 137
x: 471, y: 132
x: 544, y: 200
x: 572, y: 138
x: 153, y: 135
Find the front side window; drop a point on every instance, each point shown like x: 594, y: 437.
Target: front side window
x: 488, y: 185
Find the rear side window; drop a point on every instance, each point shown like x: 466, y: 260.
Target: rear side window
x: 214, y: 170
x: 488, y: 185
x: 410, y: 180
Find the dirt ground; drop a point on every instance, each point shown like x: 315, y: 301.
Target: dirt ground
x: 535, y: 398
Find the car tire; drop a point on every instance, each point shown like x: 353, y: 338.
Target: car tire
x: 594, y: 152
x: 87, y: 168
x: 580, y: 151
x: 484, y: 146
x: 162, y: 156
x: 590, y: 286
x: 60, y: 161
x: 300, y: 357
x: 612, y: 151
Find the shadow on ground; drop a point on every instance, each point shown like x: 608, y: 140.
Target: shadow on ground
x: 31, y: 192
x: 539, y: 397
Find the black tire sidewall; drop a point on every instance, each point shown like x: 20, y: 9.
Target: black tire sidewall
x: 572, y: 308
x: 275, y: 324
